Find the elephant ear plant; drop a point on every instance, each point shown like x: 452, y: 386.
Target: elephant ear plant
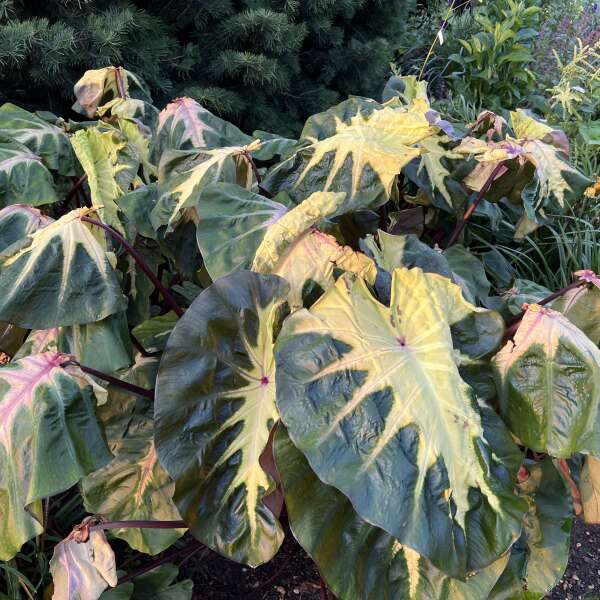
x: 201, y: 327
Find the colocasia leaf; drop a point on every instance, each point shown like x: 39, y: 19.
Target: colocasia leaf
x: 18, y: 221
x: 214, y: 409
x: 83, y: 570
x: 49, y: 440
x: 373, y: 397
x: 549, y: 385
x: 59, y: 275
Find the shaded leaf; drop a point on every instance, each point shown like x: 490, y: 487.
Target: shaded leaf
x: 154, y: 333
x: 49, y: 440
x: 18, y: 221
x: 59, y: 275
x: 548, y: 381
x: 214, y: 409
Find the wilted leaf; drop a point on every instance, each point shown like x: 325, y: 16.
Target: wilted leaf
x: 373, y: 398
x: 214, y: 409
x: 59, y: 275
x: 49, y: 440
x: 82, y: 571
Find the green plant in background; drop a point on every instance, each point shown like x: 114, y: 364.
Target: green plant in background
x: 203, y: 325
x: 493, y: 65
x: 267, y: 64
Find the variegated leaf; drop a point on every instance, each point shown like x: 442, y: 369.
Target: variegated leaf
x: 49, y: 440
x: 373, y: 398
x: 361, y: 159
x: 99, y: 86
x: 356, y: 559
x: 43, y: 139
x: 59, y: 275
x: 185, y: 124
x: 133, y: 485
x: 24, y: 179
x: 83, y: 570
x: 548, y: 381
x: 214, y: 409
x: 18, y: 221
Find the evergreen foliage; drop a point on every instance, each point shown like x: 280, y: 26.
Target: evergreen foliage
x: 267, y: 62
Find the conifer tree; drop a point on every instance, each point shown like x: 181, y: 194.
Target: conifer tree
x: 262, y: 63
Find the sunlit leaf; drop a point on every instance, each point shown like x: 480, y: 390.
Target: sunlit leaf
x: 373, y: 398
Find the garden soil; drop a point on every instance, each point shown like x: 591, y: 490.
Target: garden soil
x: 291, y: 575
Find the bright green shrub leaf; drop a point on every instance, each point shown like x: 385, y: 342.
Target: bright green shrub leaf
x: 283, y: 231
x: 133, y: 485
x: 60, y: 275
x: 18, y: 221
x: 105, y: 345
x: 214, y: 409
x: 185, y: 124
x: 24, y: 179
x: 99, y: 86
x: 104, y: 158
x: 356, y: 559
x: 181, y: 186
x: 549, y: 385
x: 49, y: 440
x: 373, y: 398
x: 83, y: 570
x: 361, y: 159
x: 154, y: 333
x: 43, y: 139
x: 232, y: 223
x: 539, y: 558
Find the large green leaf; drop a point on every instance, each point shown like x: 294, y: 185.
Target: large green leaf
x: 185, y: 124
x: 133, y: 485
x: 373, y: 397
x: 356, y: 559
x: 232, y: 224
x: 548, y: 381
x: 362, y: 158
x: 18, y: 221
x: 83, y: 570
x: 214, y: 409
x: 59, y: 275
x: 581, y: 305
x: 110, y: 167
x: 183, y: 176
x: 539, y: 558
x: 43, y: 139
x: 24, y: 179
x: 49, y: 440
x: 105, y: 345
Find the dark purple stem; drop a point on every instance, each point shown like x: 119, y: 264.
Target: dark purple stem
x: 76, y: 187
x: 139, y: 259
x: 514, y: 322
x: 482, y: 192
x: 253, y: 166
x: 139, y: 525
x: 168, y: 556
x: 130, y: 387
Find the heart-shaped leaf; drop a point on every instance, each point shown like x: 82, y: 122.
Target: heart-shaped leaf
x: 373, y: 398
x: 214, y: 409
